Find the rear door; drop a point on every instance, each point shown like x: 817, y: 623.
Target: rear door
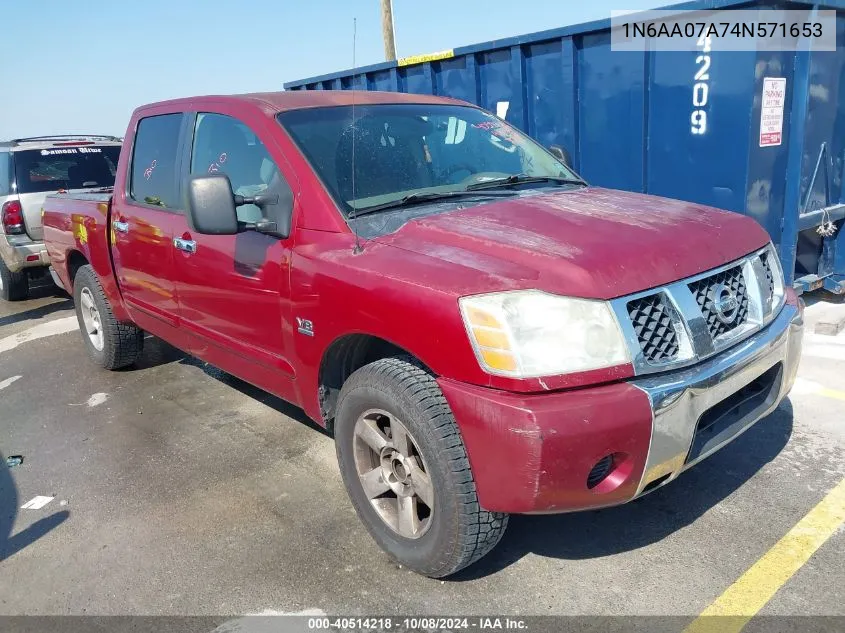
x: 234, y: 289
x: 145, y: 214
x: 69, y: 166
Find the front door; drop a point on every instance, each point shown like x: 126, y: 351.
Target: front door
x: 144, y: 218
x: 234, y: 289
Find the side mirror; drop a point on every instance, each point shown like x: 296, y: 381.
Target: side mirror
x: 211, y: 205
x: 561, y: 154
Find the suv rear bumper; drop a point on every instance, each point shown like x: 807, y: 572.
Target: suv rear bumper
x: 19, y: 252
x: 535, y: 452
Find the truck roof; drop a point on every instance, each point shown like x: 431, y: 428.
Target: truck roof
x: 273, y: 102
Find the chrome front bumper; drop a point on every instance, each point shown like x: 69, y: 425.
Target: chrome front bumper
x: 747, y: 382
x: 15, y: 249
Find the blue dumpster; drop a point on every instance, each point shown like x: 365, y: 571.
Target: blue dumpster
x: 633, y: 120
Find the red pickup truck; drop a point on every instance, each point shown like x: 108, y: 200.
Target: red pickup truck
x: 482, y: 331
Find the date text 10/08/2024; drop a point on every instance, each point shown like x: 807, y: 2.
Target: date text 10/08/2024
x: 423, y: 623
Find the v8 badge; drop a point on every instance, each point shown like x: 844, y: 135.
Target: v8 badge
x: 304, y: 326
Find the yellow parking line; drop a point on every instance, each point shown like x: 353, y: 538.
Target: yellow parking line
x: 804, y: 386
x: 743, y: 599
x: 831, y: 393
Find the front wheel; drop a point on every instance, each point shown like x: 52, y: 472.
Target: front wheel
x: 110, y: 344
x: 406, y: 470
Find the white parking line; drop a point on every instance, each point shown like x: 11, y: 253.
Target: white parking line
x: 42, y: 330
x: 36, y: 503
x: 97, y: 399
x: 8, y: 381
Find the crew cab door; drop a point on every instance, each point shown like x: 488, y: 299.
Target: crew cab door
x: 234, y: 296
x: 146, y: 211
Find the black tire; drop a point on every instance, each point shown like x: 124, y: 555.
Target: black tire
x: 122, y: 343
x: 13, y: 286
x: 461, y: 532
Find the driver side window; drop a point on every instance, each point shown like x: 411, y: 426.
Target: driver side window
x: 224, y: 145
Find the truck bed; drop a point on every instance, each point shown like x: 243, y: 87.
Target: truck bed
x: 72, y: 220
x: 75, y: 234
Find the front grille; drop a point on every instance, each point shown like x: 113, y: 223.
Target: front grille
x: 705, y: 291
x: 686, y: 321
x: 770, y: 276
x: 653, y: 324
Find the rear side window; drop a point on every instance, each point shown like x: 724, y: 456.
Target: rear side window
x: 5, y: 173
x: 54, y: 168
x: 153, y: 178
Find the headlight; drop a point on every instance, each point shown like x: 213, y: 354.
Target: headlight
x: 778, y: 294
x: 529, y: 333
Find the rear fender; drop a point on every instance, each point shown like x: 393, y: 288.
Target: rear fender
x: 80, y: 229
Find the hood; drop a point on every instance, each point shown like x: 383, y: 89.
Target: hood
x: 589, y: 242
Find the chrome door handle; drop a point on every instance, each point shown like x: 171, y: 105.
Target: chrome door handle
x: 188, y: 246
x: 122, y: 227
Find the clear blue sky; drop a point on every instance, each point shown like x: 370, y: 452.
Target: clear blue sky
x: 83, y: 66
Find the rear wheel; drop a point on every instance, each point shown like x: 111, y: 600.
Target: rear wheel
x: 13, y: 286
x: 111, y: 344
x: 406, y: 470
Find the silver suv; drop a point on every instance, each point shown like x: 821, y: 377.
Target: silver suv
x: 31, y: 168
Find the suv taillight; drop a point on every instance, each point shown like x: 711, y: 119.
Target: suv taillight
x: 12, y: 215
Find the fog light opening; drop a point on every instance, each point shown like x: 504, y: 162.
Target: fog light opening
x: 610, y: 472
x: 600, y: 471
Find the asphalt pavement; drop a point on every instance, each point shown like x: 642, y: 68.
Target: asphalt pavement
x: 177, y: 489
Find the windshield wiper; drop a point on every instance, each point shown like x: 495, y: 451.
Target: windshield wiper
x: 518, y: 179
x: 419, y: 198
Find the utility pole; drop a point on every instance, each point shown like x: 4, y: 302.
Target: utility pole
x: 387, y: 30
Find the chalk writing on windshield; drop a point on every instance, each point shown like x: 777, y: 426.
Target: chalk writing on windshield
x: 498, y: 129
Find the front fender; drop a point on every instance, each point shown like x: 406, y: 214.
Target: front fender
x: 340, y: 292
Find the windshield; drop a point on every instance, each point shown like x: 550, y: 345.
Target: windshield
x: 406, y: 149
x: 57, y: 168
